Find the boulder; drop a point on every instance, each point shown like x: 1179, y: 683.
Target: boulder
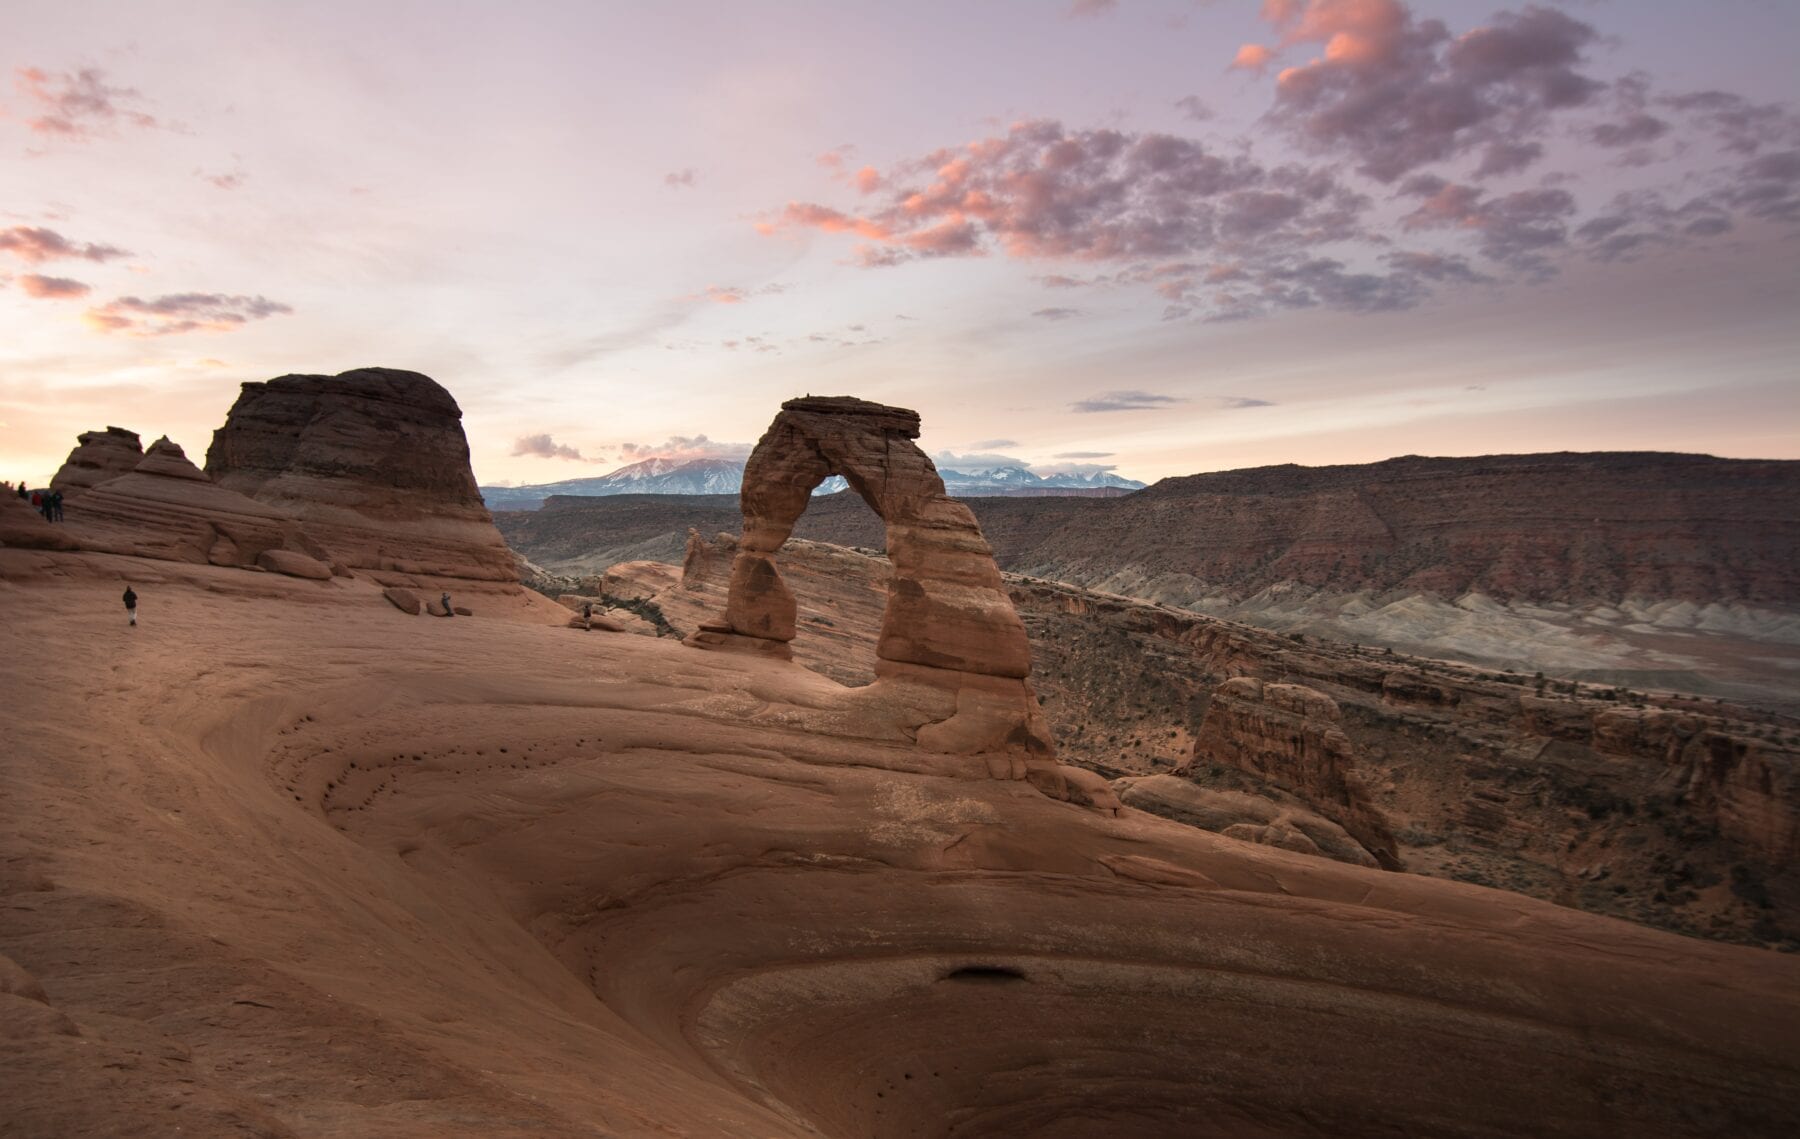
x: 99, y: 456
x: 293, y: 564
x: 438, y: 609
x: 404, y: 600
x: 463, y: 611
x: 374, y: 462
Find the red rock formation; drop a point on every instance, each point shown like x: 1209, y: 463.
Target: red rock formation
x: 949, y: 626
x: 374, y: 462
x: 97, y: 457
x: 168, y: 509
x: 1290, y: 736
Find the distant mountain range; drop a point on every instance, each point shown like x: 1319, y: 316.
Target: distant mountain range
x: 726, y: 476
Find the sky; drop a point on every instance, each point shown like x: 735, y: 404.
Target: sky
x: 1156, y: 237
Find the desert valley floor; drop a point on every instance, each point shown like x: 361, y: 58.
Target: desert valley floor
x: 285, y: 860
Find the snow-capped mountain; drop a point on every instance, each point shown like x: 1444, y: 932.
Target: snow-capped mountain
x: 726, y: 476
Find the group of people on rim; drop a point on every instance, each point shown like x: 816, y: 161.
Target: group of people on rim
x: 49, y: 503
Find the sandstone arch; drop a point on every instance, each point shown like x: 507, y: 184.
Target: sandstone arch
x: 949, y: 626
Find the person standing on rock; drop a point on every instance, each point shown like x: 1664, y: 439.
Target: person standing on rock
x: 587, y: 615
x: 131, y: 605
x: 448, y: 612
x: 56, y: 505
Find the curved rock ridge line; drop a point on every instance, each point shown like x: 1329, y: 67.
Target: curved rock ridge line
x: 949, y: 628
x: 481, y: 878
x: 374, y: 462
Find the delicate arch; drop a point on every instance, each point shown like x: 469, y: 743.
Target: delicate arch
x: 949, y: 624
x: 947, y: 607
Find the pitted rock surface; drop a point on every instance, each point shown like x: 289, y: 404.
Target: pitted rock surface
x: 98, y: 456
x: 949, y: 623
x: 374, y: 461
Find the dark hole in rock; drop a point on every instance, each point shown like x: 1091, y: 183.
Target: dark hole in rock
x: 985, y: 974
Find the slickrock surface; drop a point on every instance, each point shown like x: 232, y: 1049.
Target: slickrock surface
x: 97, y: 457
x: 374, y: 462
x: 1288, y: 737
x: 1486, y: 777
x: 951, y: 646
x: 23, y: 527
x: 168, y: 508
x: 492, y: 877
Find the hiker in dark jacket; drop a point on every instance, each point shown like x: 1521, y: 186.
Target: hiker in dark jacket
x: 131, y: 605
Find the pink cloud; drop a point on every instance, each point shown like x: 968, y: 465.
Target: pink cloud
x: 734, y: 294
x: 181, y: 312
x: 1252, y: 57
x: 37, y: 245
x: 78, y: 105
x: 52, y: 288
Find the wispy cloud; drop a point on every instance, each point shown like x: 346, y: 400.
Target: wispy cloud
x: 544, y: 447
x: 37, y: 245
x: 177, y: 313
x: 80, y: 105
x: 682, y: 448
x: 52, y: 288
x: 679, y: 179
x: 978, y: 460
x: 736, y: 295
x: 1233, y: 402
x: 1056, y: 314
x: 1083, y: 455
x: 1124, y: 401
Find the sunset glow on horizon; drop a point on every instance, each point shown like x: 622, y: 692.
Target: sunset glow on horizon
x: 1153, y: 236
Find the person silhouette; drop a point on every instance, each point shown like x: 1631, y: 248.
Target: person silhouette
x: 131, y: 605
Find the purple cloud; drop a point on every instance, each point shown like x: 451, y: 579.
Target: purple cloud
x: 52, y: 288
x: 181, y: 312
x: 544, y: 447
x: 1124, y: 401
x: 37, y: 245
x: 1392, y: 93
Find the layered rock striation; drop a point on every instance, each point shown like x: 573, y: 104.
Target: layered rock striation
x: 166, y: 508
x: 1291, y: 738
x: 949, y: 628
x: 374, y: 463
